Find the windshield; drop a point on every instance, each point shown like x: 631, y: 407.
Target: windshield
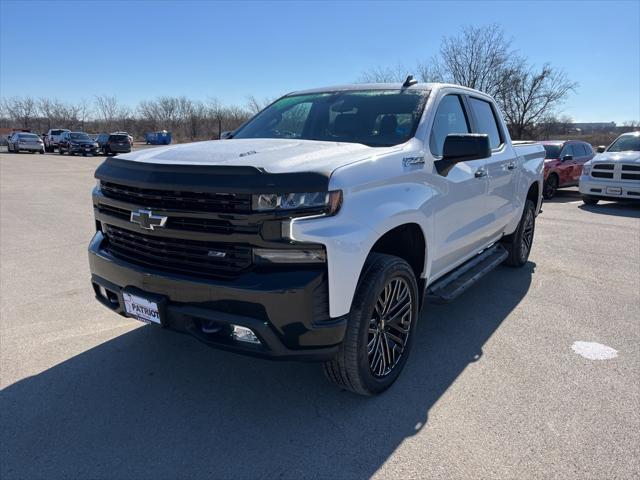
x: 553, y: 151
x: 28, y: 136
x: 79, y: 136
x: 626, y: 143
x: 373, y: 117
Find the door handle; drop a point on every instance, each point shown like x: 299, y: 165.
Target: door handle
x: 511, y: 166
x: 481, y: 173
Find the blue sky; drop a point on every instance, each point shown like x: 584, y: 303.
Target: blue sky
x: 139, y: 50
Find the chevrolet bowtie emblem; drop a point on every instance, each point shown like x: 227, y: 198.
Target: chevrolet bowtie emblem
x: 147, y: 220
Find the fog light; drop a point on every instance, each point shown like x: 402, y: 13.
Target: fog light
x: 244, y: 334
x: 264, y: 255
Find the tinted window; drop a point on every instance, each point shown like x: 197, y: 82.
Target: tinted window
x: 28, y: 136
x: 79, y: 136
x: 486, y: 120
x: 450, y: 118
x: 118, y: 138
x: 553, y: 151
x: 567, y: 150
x: 626, y: 143
x: 588, y: 148
x: 345, y: 116
x: 580, y: 150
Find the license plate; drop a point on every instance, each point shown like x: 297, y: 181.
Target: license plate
x: 614, y: 190
x: 141, y: 309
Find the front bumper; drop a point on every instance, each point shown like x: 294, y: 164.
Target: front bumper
x: 286, y: 309
x: 83, y: 149
x: 609, y: 188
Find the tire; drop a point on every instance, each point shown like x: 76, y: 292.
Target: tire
x: 60, y: 151
x: 519, y: 243
x: 42, y: 152
x: 353, y: 367
x: 590, y: 200
x: 550, y: 187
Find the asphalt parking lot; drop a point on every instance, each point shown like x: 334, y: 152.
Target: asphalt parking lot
x: 493, y: 388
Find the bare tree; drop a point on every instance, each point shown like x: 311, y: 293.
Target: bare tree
x: 21, y: 110
x: 531, y: 95
x: 380, y: 74
x: 479, y: 58
x: 254, y: 105
x: 107, y: 109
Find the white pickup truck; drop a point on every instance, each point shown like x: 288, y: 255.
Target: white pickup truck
x: 321, y: 227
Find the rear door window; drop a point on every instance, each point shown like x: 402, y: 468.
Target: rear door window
x: 450, y: 118
x: 486, y: 121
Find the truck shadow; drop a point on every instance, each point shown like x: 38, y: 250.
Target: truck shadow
x: 626, y: 208
x: 154, y: 404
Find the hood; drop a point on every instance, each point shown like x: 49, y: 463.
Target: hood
x: 620, y: 157
x: 270, y: 155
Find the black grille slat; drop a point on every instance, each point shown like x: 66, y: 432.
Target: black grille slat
x: 631, y: 176
x: 630, y: 168
x: 603, y: 166
x: 189, y: 257
x: 602, y: 174
x: 178, y: 200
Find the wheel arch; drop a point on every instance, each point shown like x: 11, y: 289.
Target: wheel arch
x: 409, y: 242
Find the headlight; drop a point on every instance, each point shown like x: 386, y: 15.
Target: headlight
x: 325, y: 202
x: 586, y: 169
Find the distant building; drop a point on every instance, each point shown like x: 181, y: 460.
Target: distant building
x: 590, y: 127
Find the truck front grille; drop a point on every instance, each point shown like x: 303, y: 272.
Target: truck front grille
x: 617, y: 171
x: 188, y: 257
x: 178, y: 200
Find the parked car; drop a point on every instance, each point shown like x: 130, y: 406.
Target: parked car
x: 30, y: 142
x: 52, y: 139
x: 563, y: 164
x: 320, y: 228
x: 113, y: 143
x: 129, y: 136
x: 615, y: 173
x: 77, y: 142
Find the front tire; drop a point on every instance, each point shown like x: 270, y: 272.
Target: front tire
x: 380, y: 328
x: 519, y: 243
x: 590, y: 200
x: 550, y: 187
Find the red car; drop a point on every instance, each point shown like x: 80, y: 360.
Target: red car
x: 563, y: 164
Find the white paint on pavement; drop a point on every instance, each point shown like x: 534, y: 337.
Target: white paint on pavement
x: 594, y: 351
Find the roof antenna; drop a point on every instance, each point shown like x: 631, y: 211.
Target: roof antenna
x: 409, y: 81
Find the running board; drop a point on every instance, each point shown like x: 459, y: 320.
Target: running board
x: 459, y: 280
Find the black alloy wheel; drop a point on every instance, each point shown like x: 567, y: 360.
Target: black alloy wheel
x: 389, y: 327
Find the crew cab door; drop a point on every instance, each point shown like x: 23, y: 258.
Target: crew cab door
x: 460, y: 211
x: 501, y: 167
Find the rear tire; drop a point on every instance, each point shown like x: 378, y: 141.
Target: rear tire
x: 590, y: 200
x: 519, y: 243
x: 550, y: 187
x: 42, y: 152
x: 380, y: 328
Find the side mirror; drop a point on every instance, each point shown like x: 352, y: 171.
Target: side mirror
x: 567, y: 158
x: 601, y: 149
x: 461, y: 148
x: 226, y: 135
